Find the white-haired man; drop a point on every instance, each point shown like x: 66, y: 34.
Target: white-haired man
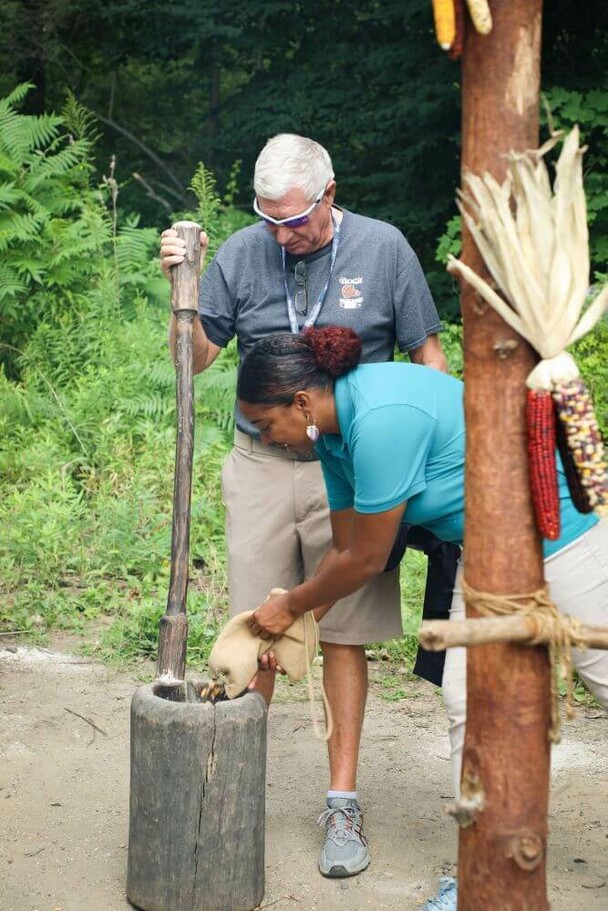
x: 309, y: 262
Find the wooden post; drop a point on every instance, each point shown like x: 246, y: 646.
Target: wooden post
x: 501, y: 857
x: 173, y: 632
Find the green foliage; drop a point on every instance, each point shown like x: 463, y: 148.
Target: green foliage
x: 450, y: 242
x: 451, y: 341
x: 87, y: 429
x: 56, y: 235
x: 591, y: 355
x: 218, y: 217
x: 204, y: 188
x: 365, y: 78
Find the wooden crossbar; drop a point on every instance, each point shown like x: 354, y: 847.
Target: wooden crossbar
x: 436, y: 635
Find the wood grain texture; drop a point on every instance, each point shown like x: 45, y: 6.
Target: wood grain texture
x: 197, y: 804
x: 506, y: 751
x: 185, y: 277
x: 437, y: 635
x: 174, y: 626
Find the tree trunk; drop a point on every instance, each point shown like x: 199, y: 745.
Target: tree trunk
x: 506, y: 756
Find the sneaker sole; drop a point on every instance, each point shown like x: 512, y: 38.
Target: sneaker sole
x: 338, y: 871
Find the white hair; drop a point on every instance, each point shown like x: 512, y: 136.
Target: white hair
x: 287, y: 162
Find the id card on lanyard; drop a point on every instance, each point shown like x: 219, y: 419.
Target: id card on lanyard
x: 291, y: 310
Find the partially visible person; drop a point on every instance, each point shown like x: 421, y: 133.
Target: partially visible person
x: 310, y: 262
x: 391, y: 440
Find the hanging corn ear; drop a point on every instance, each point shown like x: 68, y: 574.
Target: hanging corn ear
x: 445, y: 22
x: 575, y: 411
x: 540, y: 420
x: 579, y: 495
x: 455, y: 51
x: 480, y: 15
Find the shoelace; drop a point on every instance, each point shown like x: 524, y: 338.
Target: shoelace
x: 345, y: 823
x: 447, y: 890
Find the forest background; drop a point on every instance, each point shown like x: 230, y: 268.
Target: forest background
x: 117, y: 119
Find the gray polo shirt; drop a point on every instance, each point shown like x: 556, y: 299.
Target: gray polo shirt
x: 376, y: 287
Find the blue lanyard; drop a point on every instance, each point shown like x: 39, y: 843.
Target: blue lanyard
x: 291, y: 310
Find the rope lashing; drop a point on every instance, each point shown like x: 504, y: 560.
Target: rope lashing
x: 562, y: 633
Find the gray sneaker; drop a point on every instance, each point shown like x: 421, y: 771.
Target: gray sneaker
x: 345, y: 852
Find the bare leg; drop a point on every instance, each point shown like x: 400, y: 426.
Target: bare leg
x: 345, y: 680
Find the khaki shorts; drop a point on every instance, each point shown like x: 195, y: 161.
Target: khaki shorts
x: 278, y: 529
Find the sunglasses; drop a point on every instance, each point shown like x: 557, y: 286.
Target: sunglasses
x: 294, y: 221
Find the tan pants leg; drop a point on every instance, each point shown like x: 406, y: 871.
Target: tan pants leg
x: 578, y: 584
x: 263, y: 544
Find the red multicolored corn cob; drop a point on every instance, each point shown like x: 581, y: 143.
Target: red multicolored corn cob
x: 540, y: 420
x: 575, y: 411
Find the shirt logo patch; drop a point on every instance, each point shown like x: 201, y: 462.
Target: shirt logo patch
x: 351, y: 298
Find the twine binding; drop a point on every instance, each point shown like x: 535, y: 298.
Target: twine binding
x: 562, y: 633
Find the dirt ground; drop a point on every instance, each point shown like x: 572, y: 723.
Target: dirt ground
x: 64, y: 797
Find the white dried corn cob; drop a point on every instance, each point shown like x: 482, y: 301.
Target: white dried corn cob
x: 480, y: 15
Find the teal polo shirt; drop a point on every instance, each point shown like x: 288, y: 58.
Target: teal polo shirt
x: 402, y: 438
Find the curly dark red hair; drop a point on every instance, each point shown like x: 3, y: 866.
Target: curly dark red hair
x: 337, y: 349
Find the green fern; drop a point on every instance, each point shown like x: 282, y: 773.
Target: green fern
x: 22, y: 134
x: 79, y: 120
x: 9, y: 195
x: 19, y: 94
x: 56, y: 163
x: 53, y: 232
x: 203, y: 186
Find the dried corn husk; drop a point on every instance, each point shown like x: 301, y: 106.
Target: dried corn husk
x: 535, y: 244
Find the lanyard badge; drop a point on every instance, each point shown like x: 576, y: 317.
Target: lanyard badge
x: 291, y: 310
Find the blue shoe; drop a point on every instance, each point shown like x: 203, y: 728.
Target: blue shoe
x: 445, y: 900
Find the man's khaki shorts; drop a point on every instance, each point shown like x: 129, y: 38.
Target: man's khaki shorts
x: 278, y: 529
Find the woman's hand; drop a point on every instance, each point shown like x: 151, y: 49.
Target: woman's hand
x: 273, y: 617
